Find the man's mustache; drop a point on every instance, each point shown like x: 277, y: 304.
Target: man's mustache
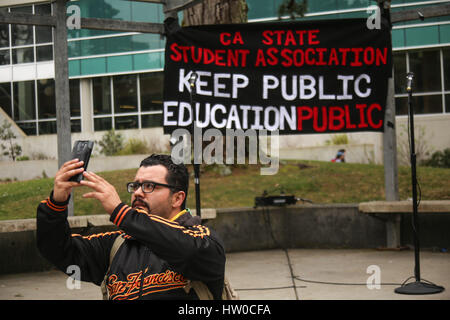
x: 140, y: 202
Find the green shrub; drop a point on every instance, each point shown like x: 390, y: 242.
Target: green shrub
x: 10, y: 148
x: 134, y: 146
x: 337, y: 139
x: 111, y: 143
x: 440, y: 159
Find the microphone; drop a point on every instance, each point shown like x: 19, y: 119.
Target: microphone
x: 409, y: 78
x: 193, y: 78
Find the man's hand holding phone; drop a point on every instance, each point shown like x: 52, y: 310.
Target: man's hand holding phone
x: 62, y: 186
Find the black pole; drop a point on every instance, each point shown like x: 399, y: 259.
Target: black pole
x: 415, y: 222
x: 416, y: 287
x: 192, y: 81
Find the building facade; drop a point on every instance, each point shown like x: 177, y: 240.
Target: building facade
x: 116, y: 78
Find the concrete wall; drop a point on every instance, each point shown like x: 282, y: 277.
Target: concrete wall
x: 34, y: 169
x: 355, y: 153
x: 301, y: 226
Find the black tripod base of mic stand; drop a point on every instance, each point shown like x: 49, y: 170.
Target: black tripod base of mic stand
x: 419, y: 287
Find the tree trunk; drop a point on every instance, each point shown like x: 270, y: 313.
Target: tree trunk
x: 216, y: 12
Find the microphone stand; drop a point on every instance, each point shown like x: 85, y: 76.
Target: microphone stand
x: 417, y: 287
x: 192, y: 82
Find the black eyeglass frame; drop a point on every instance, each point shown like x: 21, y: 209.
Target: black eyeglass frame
x: 152, y: 182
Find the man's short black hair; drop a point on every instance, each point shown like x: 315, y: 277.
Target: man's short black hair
x: 177, y: 174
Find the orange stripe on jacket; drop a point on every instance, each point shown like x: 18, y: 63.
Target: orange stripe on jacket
x: 119, y: 214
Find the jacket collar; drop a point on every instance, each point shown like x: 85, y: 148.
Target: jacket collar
x: 185, y: 218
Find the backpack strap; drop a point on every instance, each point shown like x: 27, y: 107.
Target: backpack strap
x: 204, y: 293
x: 115, y: 247
x: 200, y: 289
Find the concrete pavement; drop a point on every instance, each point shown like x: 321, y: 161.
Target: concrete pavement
x: 266, y: 275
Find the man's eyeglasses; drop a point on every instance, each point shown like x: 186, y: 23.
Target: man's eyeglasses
x: 147, y: 186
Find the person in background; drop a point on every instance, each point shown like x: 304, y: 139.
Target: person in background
x: 340, y: 156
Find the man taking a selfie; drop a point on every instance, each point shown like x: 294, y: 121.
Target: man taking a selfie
x: 163, y: 247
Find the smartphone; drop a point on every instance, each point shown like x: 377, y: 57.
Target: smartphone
x: 82, y: 150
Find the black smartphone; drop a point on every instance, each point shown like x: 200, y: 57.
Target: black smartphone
x: 82, y: 150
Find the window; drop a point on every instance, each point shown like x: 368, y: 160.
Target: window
x: 43, y: 33
x: 46, y: 98
x: 26, y: 43
x: 4, y: 44
x: 431, y: 80
x: 399, y: 61
x: 75, y: 105
x: 125, y: 93
x: 152, y: 120
x: 151, y: 85
x: 126, y: 122
x: 5, y: 98
x: 427, y: 70
x: 24, y: 101
x: 137, y: 100
x: 34, y: 105
x: 446, y: 67
x: 44, y: 53
x: 101, y: 124
x: 101, y: 90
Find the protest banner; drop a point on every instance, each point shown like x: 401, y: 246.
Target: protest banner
x: 294, y: 77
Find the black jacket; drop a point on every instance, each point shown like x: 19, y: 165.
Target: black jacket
x: 154, y: 262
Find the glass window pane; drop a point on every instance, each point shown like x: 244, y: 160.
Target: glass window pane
x: 47, y: 127
x: 44, y: 53
x: 427, y: 70
x: 447, y: 103
x: 427, y: 104
x: 4, y: 57
x: 101, y: 124
x: 125, y: 93
x: 144, y: 12
x: 43, y: 34
x: 75, y: 125
x: 127, y: 122
x: 23, y: 55
x: 152, y: 120
x: 146, y: 41
x: 118, y: 44
x: 399, y: 60
x: 5, y: 97
x: 73, y: 49
x: 23, y: 9
x: 446, y: 56
x: 401, y: 106
x: 43, y: 9
x: 46, y: 99
x: 261, y: 9
x: 421, y: 104
x: 101, y: 90
x: 21, y: 34
x: 29, y: 128
x: 151, y: 86
x: 4, y: 35
x: 74, y: 87
x: 92, y: 47
x: 24, y: 100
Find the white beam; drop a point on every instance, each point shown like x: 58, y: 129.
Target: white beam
x: 10, y: 3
